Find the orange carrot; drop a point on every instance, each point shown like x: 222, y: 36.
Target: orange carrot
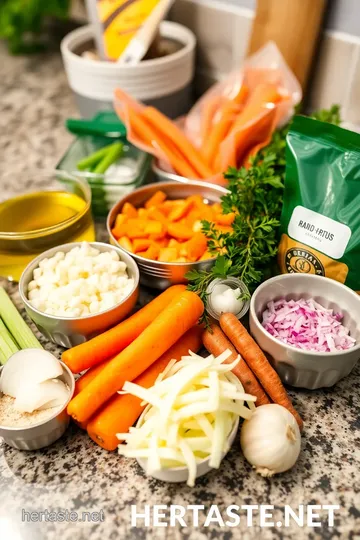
x: 158, y: 198
x: 180, y: 231
x: 257, y: 362
x: 129, y: 210
x: 172, y: 323
x: 207, y: 115
x: 116, y: 339
x: 149, y: 135
x: 241, y: 95
x: 262, y: 95
x: 216, y: 343
x: 121, y: 411
x: 220, y: 130
x: 170, y: 130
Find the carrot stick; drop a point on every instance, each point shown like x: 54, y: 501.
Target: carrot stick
x: 178, y: 317
x: 121, y: 411
x: 257, y: 362
x: 262, y: 95
x: 170, y: 130
x: 241, y: 95
x: 208, y: 113
x: 150, y: 136
x: 220, y: 130
x: 216, y: 343
x: 116, y: 339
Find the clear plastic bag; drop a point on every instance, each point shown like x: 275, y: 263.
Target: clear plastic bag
x: 244, y: 109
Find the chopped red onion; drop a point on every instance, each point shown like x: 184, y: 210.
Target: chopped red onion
x: 307, y: 325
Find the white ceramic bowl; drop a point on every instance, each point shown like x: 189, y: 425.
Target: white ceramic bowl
x: 180, y: 474
x: 165, y: 83
x: 307, y: 369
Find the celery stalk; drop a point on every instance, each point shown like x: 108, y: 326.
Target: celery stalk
x: 7, y: 345
x: 113, y: 155
x: 17, y: 327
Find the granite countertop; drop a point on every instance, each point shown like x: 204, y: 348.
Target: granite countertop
x: 75, y: 474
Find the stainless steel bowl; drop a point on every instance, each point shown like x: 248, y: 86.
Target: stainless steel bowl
x: 157, y: 274
x: 70, y: 331
x: 43, y: 433
x: 165, y: 176
x: 307, y: 369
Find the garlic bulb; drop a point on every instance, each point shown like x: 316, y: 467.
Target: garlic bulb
x: 270, y: 440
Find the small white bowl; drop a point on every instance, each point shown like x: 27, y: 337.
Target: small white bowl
x: 298, y: 367
x: 180, y: 474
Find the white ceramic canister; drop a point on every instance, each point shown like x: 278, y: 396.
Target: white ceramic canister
x: 165, y: 82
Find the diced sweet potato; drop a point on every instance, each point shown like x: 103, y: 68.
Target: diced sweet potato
x: 156, y: 215
x: 180, y: 211
x: 143, y: 213
x: 181, y: 260
x: 225, y: 219
x: 129, y: 210
x: 136, y: 233
x: 125, y: 243
x: 196, y: 247
x: 141, y: 244
x: 158, y: 198
x: 153, y: 252
x: 167, y: 254
x: 173, y: 243
x: 153, y: 227
x: 120, y: 230
x: 120, y: 220
x: 180, y: 231
x: 136, y: 223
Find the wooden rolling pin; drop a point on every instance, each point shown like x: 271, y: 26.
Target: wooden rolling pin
x: 294, y: 25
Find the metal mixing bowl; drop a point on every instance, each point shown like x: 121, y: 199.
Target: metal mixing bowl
x: 70, y: 331
x: 297, y: 367
x: 43, y: 433
x: 157, y: 274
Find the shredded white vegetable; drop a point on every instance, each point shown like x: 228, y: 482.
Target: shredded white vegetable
x: 191, y: 411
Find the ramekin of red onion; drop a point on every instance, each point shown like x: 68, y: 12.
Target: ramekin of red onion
x: 309, y: 326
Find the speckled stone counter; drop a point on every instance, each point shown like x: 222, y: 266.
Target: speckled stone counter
x: 76, y: 475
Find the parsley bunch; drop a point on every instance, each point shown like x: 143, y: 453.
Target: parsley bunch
x: 22, y: 22
x: 249, y: 251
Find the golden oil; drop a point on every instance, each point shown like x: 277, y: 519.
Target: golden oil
x: 35, y: 222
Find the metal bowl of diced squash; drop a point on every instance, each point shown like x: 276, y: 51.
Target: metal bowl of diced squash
x: 154, y: 273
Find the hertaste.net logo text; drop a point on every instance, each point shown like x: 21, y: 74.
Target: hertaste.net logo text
x: 253, y: 515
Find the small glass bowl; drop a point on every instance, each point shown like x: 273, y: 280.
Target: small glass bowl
x: 233, y: 283
x: 17, y: 247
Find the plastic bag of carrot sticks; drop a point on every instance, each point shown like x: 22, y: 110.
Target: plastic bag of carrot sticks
x: 233, y: 120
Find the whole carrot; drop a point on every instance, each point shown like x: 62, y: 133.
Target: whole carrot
x: 121, y: 411
x: 257, y: 362
x: 113, y: 341
x: 216, y: 343
x: 178, y: 317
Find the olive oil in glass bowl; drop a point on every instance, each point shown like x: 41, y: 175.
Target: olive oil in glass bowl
x: 38, y: 212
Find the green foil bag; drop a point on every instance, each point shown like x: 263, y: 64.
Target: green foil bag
x: 320, y: 221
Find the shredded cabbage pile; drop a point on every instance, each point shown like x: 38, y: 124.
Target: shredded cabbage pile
x: 192, y: 409
x: 305, y: 324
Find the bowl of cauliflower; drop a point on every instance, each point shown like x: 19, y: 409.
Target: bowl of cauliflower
x: 76, y: 291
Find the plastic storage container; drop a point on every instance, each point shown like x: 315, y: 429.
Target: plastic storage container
x: 107, y: 189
